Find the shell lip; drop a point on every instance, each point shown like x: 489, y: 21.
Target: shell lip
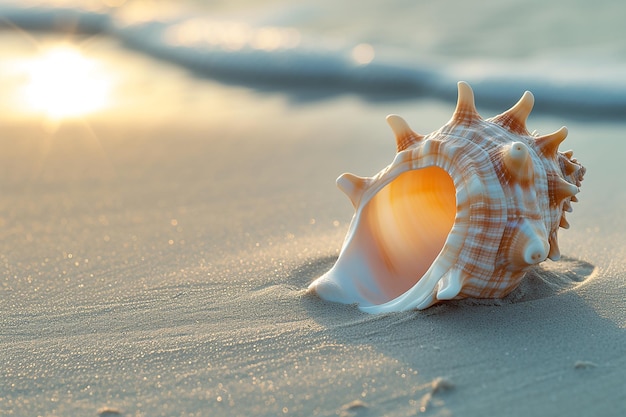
x: 423, y: 292
x: 419, y: 296
x: 414, y: 296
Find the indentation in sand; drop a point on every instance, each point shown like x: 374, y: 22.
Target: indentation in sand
x: 551, y: 278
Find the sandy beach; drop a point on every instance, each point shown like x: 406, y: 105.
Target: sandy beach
x: 155, y: 261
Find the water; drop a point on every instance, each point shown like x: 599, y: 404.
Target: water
x: 570, y: 54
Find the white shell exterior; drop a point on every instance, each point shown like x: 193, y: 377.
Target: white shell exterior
x: 461, y: 212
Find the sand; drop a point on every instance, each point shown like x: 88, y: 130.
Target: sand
x: 154, y: 263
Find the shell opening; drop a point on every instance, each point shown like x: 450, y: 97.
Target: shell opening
x: 408, y: 222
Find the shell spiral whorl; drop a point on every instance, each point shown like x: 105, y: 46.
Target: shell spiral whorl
x: 462, y: 212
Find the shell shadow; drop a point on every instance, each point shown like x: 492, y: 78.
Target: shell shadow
x: 540, y: 329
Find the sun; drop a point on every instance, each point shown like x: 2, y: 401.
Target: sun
x: 63, y: 83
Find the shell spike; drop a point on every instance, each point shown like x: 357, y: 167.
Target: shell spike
x: 554, y: 253
x: 516, y: 158
x: 405, y: 136
x: 535, y: 252
x: 450, y: 285
x: 353, y: 186
x: 567, y: 206
x: 526, y: 243
x: 569, y: 167
x: 515, y: 118
x: 465, y: 111
x: 549, y: 144
x: 563, y: 189
x: 563, y: 222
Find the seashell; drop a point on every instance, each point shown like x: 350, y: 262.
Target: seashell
x: 462, y: 212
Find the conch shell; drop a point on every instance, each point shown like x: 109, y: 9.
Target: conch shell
x: 462, y: 212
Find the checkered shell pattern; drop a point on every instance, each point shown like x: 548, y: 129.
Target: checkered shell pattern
x: 511, y: 191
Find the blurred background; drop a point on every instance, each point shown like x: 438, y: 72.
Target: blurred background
x: 63, y: 59
x: 118, y: 117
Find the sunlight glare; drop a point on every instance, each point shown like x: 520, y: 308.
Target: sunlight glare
x: 63, y: 83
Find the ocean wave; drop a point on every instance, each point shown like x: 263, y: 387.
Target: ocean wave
x: 281, y: 58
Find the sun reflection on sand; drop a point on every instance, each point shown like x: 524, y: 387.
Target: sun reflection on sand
x: 53, y: 81
x: 62, y: 83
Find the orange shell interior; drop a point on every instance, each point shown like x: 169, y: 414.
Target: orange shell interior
x: 407, y: 223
